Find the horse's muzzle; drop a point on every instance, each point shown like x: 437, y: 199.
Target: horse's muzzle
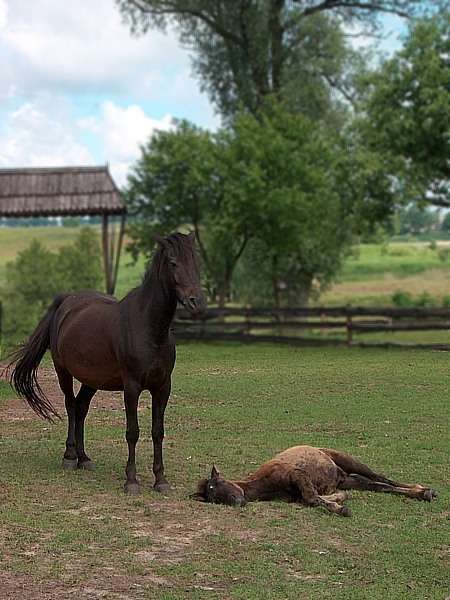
x: 195, y: 304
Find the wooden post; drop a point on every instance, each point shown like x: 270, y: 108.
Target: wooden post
x: 349, y: 330
x: 106, y: 256
x: 111, y: 251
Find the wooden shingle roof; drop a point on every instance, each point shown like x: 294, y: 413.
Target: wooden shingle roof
x: 59, y: 191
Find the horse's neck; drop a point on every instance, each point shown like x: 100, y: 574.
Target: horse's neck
x: 155, y: 306
x: 253, y: 488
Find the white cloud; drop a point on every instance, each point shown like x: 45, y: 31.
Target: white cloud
x: 77, y: 88
x: 31, y: 137
x: 78, y: 46
x: 121, y: 132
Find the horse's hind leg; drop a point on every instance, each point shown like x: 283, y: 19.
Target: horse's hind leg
x: 358, y: 482
x: 74, y: 456
x: 355, y: 468
x: 70, y: 459
x: 82, y: 403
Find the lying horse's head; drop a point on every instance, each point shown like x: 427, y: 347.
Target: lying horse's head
x: 218, y: 490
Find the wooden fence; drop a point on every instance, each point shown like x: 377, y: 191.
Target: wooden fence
x: 316, y: 326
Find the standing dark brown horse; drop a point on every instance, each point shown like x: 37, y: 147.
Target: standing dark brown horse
x: 108, y: 344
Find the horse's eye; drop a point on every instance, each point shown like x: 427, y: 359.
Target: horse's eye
x: 211, y: 487
x: 173, y: 264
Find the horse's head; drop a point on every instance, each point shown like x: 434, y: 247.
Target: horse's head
x: 218, y: 490
x: 180, y: 264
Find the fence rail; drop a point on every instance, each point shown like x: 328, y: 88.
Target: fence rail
x: 315, y: 326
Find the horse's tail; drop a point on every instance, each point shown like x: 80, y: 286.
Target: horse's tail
x: 24, y: 374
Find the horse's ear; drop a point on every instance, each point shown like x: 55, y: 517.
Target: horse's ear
x: 214, y: 472
x: 198, y: 496
x: 158, y: 238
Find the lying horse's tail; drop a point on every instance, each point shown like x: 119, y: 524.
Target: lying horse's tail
x: 27, y: 359
x: 351, y: 466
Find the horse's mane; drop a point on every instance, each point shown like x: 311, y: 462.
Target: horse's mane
x: 182, y: 245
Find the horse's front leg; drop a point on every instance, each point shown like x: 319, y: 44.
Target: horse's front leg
x: 159, y: 403
x: 131, y: 397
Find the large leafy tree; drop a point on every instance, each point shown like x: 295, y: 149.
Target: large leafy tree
x: 246, y: 50
x: 406, y: 113
x: 303, y: 220
x: 275, y: 178
x: 187, y: 177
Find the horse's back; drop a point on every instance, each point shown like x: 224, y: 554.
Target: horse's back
x: 310, y: 464
x: 300, y: 455
x: 85, y: 315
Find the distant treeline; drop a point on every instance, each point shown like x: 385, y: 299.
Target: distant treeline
x: 50, y: 221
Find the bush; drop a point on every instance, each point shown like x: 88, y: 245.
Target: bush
x: 38, y: 275
x: 446, y: 302
x: 443, y: 254
x: 402, y: 299
x: 425, y: 300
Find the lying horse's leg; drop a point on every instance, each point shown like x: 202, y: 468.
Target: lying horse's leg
x: 83, y: 401
x: 338, y: 497
x: 350, y: 465
x: 310, y: 497
x: 131, y: 397
x: 159, y: 403
x: 358, y: 482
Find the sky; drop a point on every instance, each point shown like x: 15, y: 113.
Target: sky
x: 77, y: 89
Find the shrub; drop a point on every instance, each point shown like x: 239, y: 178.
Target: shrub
x: 443, y: 254
x: 38, y: 275
x: 425, y: 300
x: 402, y: 299
x: 446, y: 302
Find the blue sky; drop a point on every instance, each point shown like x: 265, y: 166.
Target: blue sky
x: 77, y: 89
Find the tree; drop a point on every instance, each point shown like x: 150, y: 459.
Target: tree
x: 446, y: 223
x: 38, y: 275
x: 303, y: 220
x: 418, y: 219
x: 245, y: 51
x: 406, y: 113
x: 187, y: 177
x: 275, y: 178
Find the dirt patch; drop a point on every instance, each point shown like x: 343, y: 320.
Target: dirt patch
x: 15, y: 409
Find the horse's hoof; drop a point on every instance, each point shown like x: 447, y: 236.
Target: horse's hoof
x: 163, y: 488
x: 86, y: 465
x: 346, y: 511
x: 70, y: 464
x: 428, y: 495
x: 132, y: 488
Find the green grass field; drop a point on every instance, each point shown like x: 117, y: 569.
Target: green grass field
x: 77, y: 535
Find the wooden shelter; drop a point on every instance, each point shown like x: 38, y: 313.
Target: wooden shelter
x: 68, y: 191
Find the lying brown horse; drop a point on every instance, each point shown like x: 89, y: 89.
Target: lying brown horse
x: 308, y: 475
x: 108, y: 344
